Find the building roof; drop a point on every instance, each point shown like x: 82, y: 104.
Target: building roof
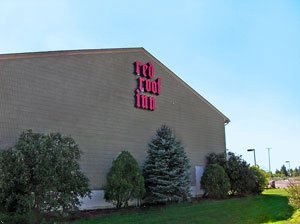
x: 109, y: 51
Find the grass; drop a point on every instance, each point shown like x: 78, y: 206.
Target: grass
x: 270, y: 207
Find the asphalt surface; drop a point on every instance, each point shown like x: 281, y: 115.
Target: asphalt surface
x: 283, y: 183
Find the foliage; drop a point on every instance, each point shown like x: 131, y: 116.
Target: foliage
x: 166, y: 169
x: 242, y: 179
x: 15, y: 194
x: 14, y: 218
x: 284, y: 170
x: 261, y: 179
x: 294, y: 194
x: 215, y: 181
x: 220, y: 159
x: 48, y: 177
x: 124, y: 181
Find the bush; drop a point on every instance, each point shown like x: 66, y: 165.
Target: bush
x: 242, y: 179
x: 15, y: 192
x: 14, y: 218
x: 41, y: 174
x: 261, y: 179
x: 294, y: 195
x: 124, y: 181
x: 215, y: 181
x: 166, y: 169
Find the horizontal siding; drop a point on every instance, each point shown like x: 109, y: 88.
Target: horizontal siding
x: 91, y: 98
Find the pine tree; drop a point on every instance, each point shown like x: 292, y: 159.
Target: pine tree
x: 166, y: 169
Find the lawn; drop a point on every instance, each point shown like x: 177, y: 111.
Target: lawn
x: 270, y: 207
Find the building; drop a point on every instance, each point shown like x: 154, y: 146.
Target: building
x: 107, y: 100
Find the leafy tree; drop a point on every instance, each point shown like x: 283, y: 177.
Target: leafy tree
x: 220, y: 159
x: 48, y: 171
x: 296, y: 172
x: 15, y: 195
x: 166, y: 169
x: 124, y: 181
x: 215, y: 181
x: 261, y: 179
x: 242, y: 179
x: 294, y: 195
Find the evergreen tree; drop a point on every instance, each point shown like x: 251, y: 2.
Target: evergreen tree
x: 166, y: 169
x: 284, y: 171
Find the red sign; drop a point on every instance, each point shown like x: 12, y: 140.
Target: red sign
x: 146, y: 87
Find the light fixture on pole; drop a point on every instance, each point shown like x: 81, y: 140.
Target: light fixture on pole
x: 269, y: 159
x: 289, y: 167
x: 253, y: 150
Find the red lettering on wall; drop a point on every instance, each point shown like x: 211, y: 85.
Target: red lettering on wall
x: 137, y: 99
x: 154, y: 87
x: 140, y: 84
x: 144, y: 101
x: 158, y: 85
x: 150, y: 71
x: 146, y: 86
x: 137, y: 67
x: 152, y: 103
x: 144, y: 70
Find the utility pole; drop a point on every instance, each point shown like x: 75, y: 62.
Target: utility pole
x: 269, y: 159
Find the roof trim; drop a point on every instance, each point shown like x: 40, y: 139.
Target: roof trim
x: 67, y: 53
x: 108, y: 51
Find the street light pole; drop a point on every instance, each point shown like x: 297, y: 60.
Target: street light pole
x: 269, y: 159
x: 253, y: 150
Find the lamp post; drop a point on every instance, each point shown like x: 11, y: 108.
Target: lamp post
x: 269, y: 159
x: 289, y: 167
x: 253, y: 150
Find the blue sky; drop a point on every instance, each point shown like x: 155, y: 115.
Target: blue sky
x: 242, y: 56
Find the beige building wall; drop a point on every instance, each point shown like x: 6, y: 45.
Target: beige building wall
x: 90, y: 96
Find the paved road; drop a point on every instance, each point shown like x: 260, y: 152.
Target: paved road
x: 283, y: 183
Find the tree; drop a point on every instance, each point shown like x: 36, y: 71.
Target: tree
x: 242, y: 179
x: 14, y: 182
x: 215, y: 181
x: 294, y: 195
x: 166, y: 169
x: 49, y: 172
x: 124, y: 181
x: 284, y: 171
x: 261, y: 179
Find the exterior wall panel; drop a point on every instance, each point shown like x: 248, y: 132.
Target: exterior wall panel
x: 91, y: 98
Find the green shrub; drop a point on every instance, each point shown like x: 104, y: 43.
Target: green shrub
x: 215, y: 181
x: 124, y: 181
x: 261, y: 179
x: 41, y: 173
x: 166, y: 169
x: 15, y: 192
x: 242, y: 179
x: 14, y: 218
x: 294, y: 195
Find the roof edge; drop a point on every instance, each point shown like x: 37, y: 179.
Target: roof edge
x: 68, y: 52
